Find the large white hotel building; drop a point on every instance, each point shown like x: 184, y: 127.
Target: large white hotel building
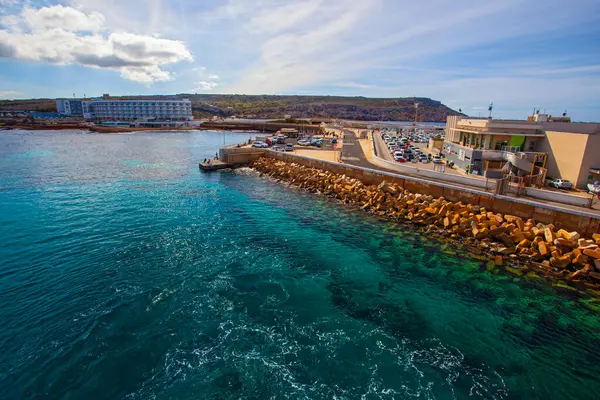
x: 127, y: 110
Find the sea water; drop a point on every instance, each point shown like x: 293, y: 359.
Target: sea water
x: 127, y: 273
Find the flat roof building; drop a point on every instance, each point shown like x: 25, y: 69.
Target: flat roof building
x: 495, y: 147
x: 127, y: 110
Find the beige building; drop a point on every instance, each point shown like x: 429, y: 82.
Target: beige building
x: 495, y: 147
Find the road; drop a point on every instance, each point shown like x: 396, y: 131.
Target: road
x: 352, y: 153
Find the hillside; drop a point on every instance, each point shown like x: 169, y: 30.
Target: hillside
x: 270, y: 106
x: 355, y: 108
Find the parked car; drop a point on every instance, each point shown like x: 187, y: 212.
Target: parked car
x: 260, y: 144
x: 304, y: 142
x: 594, y: 187
x: 437, y: 159
x: 423, y: 158
x: 400, y: 159
x: 289, y: 147
x: 561, y: 184
x: 277, y: 148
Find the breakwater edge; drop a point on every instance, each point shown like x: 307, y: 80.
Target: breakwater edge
x: 522, y: 246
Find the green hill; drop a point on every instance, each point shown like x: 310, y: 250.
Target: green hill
x: 275, y: 107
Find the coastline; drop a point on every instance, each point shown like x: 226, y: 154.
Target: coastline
x: 111, y: 129
x: 521, y: 247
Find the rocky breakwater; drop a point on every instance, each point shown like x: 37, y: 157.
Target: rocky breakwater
x: 505, y: 239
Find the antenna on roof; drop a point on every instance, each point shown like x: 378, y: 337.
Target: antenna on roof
x: 490, y: 109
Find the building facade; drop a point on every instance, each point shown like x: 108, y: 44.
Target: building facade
x: 70, y: 107
x: 127, y: 110
x: 494, y: 148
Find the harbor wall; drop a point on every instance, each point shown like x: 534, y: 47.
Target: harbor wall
x: 581, y: 221
x: 240, y: 155
x: 260, y: 126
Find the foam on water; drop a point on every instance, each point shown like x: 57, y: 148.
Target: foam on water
x: 121, y: 281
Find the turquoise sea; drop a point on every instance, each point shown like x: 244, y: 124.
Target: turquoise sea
x: 125, y: 273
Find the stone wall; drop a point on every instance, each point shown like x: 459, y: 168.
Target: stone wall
x: 584, y: 222
x: 240, y: 155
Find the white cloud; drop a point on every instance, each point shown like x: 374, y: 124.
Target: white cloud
x: 54, y: 35
x: 8, y: 94
x: 213, y: 76
x: 355, y: 85
x: 205, y: 85
x: 61, y: 17
x: 300, y: 49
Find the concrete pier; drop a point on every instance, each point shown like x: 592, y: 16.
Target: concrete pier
x: 214, y: 165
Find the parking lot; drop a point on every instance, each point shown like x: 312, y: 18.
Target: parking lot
x: 384, y: 152
x: 316, y: 143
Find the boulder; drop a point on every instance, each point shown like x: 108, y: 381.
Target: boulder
x: 497, y: 231
x: 560, y: 262
x: 480, y: 233
x: 549, y: 235
x: 595, y: 275
x: 543, y: 249
x: 517, y: 235
x: 506, y: 250
x: 573, y: 236
x: 508, y: 242
x: 565, y: 242
x: 594, y: 253
x: 580, y: 259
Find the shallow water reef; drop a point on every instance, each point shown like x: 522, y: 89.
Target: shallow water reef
x: 506, y: 239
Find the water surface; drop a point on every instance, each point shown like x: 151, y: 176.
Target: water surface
x: 127, y: 273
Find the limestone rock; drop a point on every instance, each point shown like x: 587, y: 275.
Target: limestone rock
x: 543, y: 249
x: 594, y: 253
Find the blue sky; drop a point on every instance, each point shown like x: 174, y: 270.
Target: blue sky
x: 520, y: 54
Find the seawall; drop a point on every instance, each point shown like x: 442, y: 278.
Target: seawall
x: 584, y: 222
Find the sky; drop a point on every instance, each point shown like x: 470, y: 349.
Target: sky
x: 518, y: 54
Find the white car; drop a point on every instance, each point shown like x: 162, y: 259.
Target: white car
x: 437, y: 159
x: 560, y: 184
x: 260, y: 144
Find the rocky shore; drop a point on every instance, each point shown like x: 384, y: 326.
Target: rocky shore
x: 504, y: 239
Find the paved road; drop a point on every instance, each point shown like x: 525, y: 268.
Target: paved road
x: 352, y: 153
